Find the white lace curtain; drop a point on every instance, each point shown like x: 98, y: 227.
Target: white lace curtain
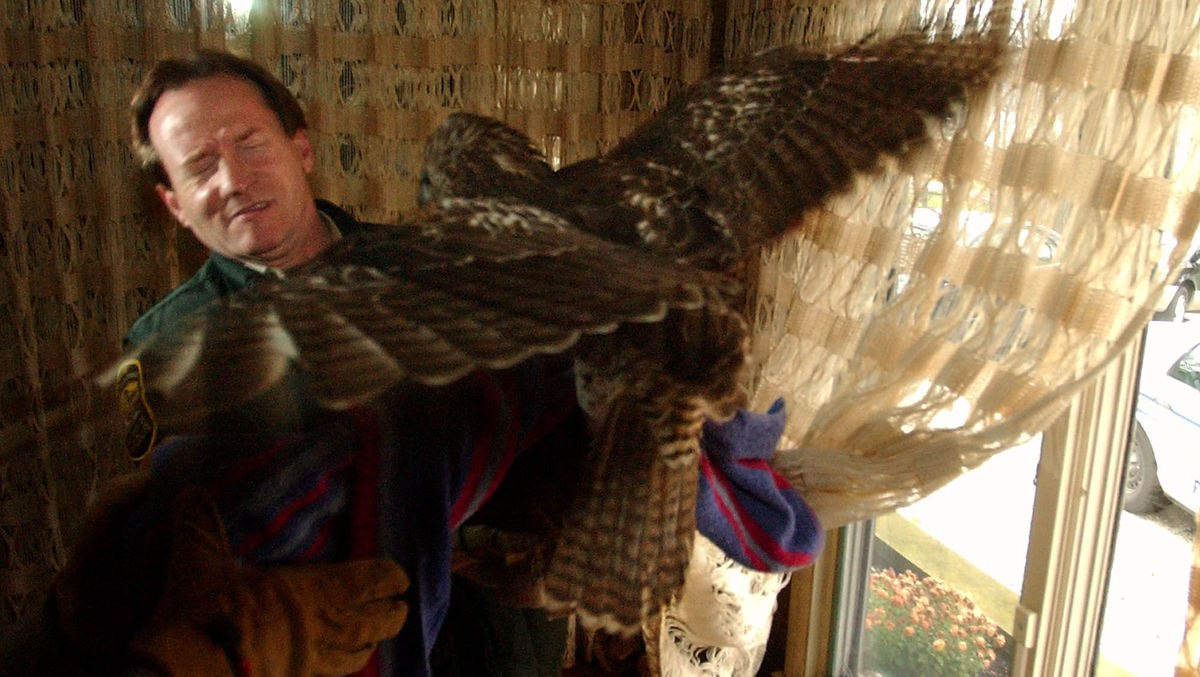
x: 908, y: 350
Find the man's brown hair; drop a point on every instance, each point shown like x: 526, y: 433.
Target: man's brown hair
x: 174, y: 73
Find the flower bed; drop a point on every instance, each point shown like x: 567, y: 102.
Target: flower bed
x: 918, y: 626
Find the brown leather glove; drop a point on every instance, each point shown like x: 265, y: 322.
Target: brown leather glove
x: 217, y: 617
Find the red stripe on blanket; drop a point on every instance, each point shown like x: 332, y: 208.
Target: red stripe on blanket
x: 481, y: 452
x: 730, y: 515
x: 765, y: 541
x: 252, y: 541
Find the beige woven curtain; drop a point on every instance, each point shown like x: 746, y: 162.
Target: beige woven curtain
x: 376, y: 77
x: 81, y: 255
x: 905, y: 353
x: 946, y: 311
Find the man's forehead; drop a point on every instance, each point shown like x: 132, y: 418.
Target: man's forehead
x: 198, y: 110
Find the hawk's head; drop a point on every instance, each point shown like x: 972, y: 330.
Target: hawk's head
x: 470, y: 156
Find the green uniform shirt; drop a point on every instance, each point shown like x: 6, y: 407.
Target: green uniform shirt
x: 220, y: 276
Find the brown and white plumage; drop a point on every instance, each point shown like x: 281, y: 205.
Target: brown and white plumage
x: 621, y: 259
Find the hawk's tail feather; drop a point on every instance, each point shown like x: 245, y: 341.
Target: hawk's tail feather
x: 625, y: 544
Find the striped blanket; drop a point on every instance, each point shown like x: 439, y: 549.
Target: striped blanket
x: 397, y: 478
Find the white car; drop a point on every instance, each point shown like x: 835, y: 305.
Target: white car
x: 1164, y: 458
x: 1181, y: 298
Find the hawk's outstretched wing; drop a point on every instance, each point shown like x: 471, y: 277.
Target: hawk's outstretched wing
x: 738, y: 158
x: 471, y: 284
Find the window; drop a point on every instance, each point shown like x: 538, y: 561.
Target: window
x: 1054, y: 628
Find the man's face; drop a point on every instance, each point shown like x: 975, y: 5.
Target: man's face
x: 237, y: 180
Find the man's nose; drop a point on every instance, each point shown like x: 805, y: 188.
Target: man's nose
x: 235, y: 176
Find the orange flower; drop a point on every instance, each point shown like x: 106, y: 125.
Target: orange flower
x: 909, y: 630
x: 939, y: 644
x: 962, y: 646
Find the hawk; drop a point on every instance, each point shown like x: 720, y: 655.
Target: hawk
x: 628, y: 259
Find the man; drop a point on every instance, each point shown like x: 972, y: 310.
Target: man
x: 227, y: 146
x: 233, y: 170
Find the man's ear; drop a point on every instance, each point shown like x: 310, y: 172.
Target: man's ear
x: 304, y: 147
x: 170, y: 200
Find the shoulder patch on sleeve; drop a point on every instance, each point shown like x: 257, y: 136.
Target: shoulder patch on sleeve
x: 141, y: 430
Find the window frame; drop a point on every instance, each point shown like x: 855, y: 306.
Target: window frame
x: 1068, y: 560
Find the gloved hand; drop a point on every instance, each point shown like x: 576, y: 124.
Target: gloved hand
x: 217, y: 617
